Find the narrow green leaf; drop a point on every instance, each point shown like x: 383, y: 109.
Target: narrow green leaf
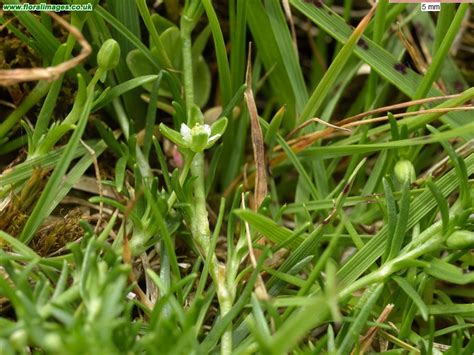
x: 401, y: 227
x: 452, y: 309
x: 411, y: 292
x: 440, y: 54
x: 313, y: 106
x: 267, y: 227
x: 376, y: 56
x: 120, y: 172
x: 222, y: 61
x: 18, y: 246
x: 448, y: 272
x: 121, y: 89
x: 442, y: 204
x: 151, y: 117
x: 364, y: 309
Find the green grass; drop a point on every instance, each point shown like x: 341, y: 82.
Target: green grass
x: 130, y: 217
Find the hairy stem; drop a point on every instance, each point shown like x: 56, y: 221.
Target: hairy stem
x: 199, y: 218
x: 202, y: 236
x: 186, y: 28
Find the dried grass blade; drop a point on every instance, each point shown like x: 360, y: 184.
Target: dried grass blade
x: 257, y: 139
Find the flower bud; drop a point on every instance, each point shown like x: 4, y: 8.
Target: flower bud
x: 404, y: 171
x: 461, y: 239
x: 109, y: 55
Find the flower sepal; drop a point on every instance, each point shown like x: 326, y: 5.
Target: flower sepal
x: 172, y: 135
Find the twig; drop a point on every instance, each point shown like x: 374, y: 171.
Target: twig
x: 369, y: 336
x: 289, y: 17
x: 14, y: 76
x: 406, y: 114
x: 318, y: 120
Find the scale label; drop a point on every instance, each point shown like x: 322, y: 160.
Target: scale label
x: 430, y: 6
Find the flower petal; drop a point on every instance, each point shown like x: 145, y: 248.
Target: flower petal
x: 186, y: 132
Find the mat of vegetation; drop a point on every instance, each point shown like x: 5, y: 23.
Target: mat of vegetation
x: 242, y: 176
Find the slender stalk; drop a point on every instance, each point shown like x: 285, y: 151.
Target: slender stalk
x: 202, y: 235
x: 199, y: 216
x: 186, y: 28
x: 199, y: 219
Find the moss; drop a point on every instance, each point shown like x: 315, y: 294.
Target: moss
x: 16, y: 54
x: 15, y: 214
x: 54, y: 236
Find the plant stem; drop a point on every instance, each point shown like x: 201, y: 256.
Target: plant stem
x: 186, y: 28
x: 199, y: 217
x: 393, y: 266
x: 199, y: 220
x: 202, y: 236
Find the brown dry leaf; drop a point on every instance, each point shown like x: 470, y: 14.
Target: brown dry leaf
x: 257, y: 139
x: 14, y: 76
x: 261, y: 189
x: 415, y: 53
x: 367, y: 339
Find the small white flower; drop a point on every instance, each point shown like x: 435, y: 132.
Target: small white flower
x: 197, y: 138
x: 186, y: 132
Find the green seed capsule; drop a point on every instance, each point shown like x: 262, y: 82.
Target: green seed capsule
x: 404, y: 171
x: 109, y: 55
x: 461, y: 239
